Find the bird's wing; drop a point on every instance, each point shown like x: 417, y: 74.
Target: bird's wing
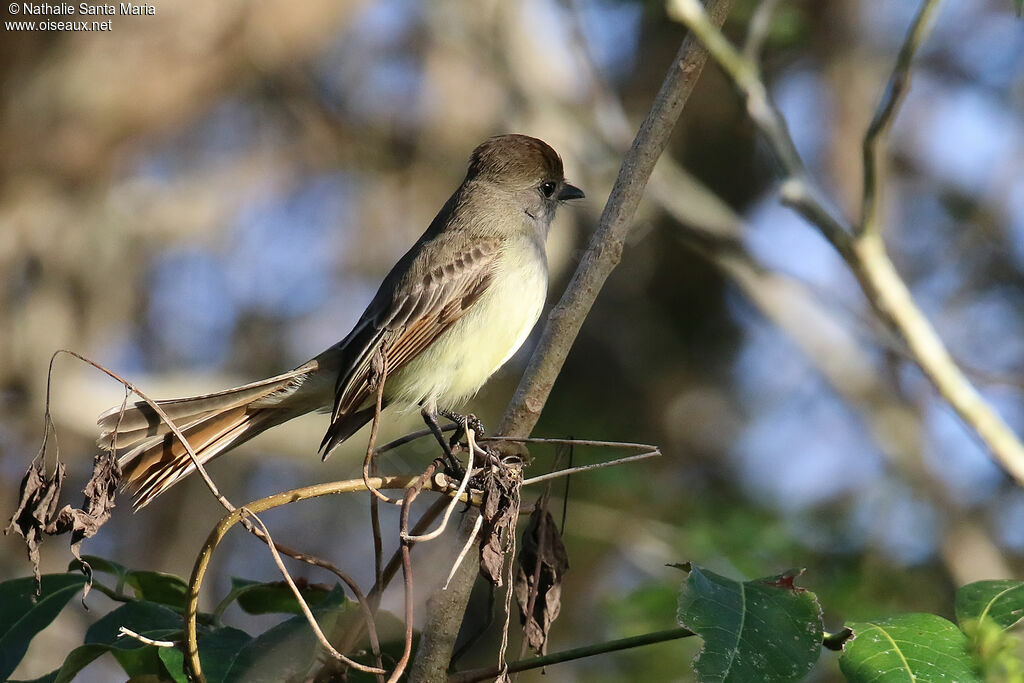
x: 408, y: 323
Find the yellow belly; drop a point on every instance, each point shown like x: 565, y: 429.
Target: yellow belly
x: 456, y: 365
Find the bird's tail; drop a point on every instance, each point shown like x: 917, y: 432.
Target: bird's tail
x: 152, y: 458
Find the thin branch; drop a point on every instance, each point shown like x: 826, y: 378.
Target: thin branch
x: 355, y: 632
x: 573, y: 442
x: 864, y: 252
x: 486, y: 673
x: 605, y: 248
x: 163, y: 416
x: 122, y: 631
x: 218, y: 532
x: 466, y: 547
x: 406, y: 547
x: 303, y: 605
x: 364, y: 605
x: 411, y: 436
x: 455, y: 499
x: 878, y: 130
x: 584, y: 468
x: 757, y: 29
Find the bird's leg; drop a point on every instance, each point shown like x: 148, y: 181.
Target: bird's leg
x: 474, y: 423
x: 430, y: 417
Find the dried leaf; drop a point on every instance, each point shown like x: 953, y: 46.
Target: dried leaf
x: 37, y: 501
x: 36, y: 515
x: 500, y: 512
x: 538, y: 582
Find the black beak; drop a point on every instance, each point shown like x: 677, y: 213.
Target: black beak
x: 570, y: 192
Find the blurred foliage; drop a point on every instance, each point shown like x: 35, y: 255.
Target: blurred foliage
x: 211, y: 195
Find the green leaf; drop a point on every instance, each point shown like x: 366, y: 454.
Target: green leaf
x: 907, y: 647
x: 163, y: 589
x: 158, y: 587
x: 153, y: 621
x: 217, y: 652
x: 145, y: 618
x: 139, y: 616
x: 763, y: 630
x: 1001, y: 601
x: 23, y: 614
x: 99, y: 564
x: 288, y: 649
x: 276, y: 597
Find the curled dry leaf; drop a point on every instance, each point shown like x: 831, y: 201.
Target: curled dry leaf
x: 500, y: 511
x: 37, y: 515
x: 538, y: 583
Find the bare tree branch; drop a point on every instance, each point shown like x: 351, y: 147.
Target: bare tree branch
x: 863, y: 250
x: 878, y: 130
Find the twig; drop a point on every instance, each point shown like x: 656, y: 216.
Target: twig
x: 455, y: 499
x: 411, y: 436
x: 122, y: 631
x: 163, y: 416
x: 605, y: 248
x: 510, y: 553
x: 486, y: 673
x: 349, y: 639
x: 218, y: 532
x: 878, y: 130
x: 573, y: 442
x: 864, y: 252
x: 757, y: 29
x: 370, y: 452
x: 407, y: 543
x: 364, y: 606
x: 595, y: 466
x: 306, y: 611
x: 477, y: 525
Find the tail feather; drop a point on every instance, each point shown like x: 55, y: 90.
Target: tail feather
x: 141, y: 416
x: 169, y: 462
x: 152, y: 458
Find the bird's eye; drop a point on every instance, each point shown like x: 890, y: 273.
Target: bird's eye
x: 547, y: 188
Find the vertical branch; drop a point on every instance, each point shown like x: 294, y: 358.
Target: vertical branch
x: 878, y: 130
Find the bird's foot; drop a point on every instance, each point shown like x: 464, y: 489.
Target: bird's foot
x: 461, y: 421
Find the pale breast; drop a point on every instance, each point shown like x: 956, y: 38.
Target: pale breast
x: 458, y: 363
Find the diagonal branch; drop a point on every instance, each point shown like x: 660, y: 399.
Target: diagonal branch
x: 863, y: 250
x: 446, y: 609
x: 605, y: 248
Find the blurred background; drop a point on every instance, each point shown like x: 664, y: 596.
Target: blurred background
x: 211, y: 195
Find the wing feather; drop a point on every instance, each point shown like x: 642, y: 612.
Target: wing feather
x: 407, y: 324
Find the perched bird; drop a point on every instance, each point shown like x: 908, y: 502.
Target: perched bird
x: 451, y: 311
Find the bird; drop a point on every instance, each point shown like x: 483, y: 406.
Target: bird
x: 450, y: 312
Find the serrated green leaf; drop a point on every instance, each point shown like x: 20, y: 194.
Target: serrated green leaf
x: 764, y: 630
x: 276, y: 597
x: 908, y: 647
x: 1000, y: 601
x: 23, y: 615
